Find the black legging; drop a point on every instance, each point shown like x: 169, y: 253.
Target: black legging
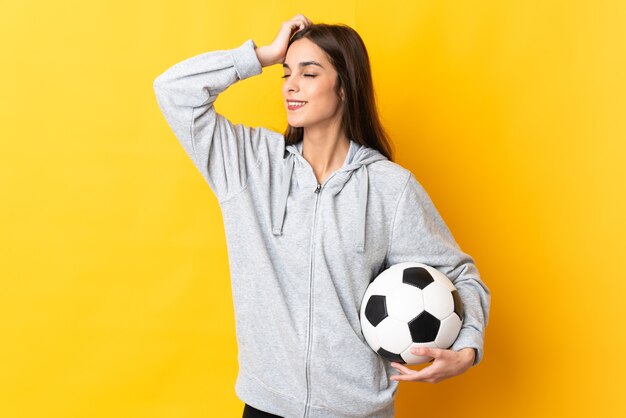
x: 251, y: 412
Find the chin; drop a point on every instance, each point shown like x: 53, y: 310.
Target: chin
x: 296, y: 124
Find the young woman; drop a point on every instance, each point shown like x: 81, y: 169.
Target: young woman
x: 311, y: 217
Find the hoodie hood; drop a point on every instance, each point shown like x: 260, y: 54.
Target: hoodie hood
x: 357, y: 160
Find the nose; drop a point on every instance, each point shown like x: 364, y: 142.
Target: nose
x: 290, y: 84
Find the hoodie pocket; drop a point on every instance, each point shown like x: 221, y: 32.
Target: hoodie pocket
x: 346, y: 374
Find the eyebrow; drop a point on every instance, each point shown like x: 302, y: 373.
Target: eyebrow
x: 304, y: 64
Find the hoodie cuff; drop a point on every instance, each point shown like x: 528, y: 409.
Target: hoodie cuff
x: 470, y: 338
x: 245, y: 60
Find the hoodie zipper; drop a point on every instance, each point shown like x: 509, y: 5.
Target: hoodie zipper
x: 310, y: 340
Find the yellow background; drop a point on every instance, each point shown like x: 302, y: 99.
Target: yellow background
x: 115, y: 297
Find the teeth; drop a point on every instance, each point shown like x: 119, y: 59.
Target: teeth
x: 296, y: 103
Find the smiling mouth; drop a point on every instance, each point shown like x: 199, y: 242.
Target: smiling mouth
x: 295, y: 105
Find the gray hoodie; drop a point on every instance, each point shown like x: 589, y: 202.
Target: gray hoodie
x: 301, y: 254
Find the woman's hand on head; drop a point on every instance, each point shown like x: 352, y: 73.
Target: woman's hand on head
x: 275, y: 52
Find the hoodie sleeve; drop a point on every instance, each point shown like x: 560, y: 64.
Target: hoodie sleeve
x: 225, y: 153
x: 420, y: 235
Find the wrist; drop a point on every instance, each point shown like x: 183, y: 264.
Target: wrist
x: 469, y: 354
x: 263, y: 56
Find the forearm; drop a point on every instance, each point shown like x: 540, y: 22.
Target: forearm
x: 264, y: 56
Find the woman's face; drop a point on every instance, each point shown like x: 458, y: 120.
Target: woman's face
x: 310, y: 78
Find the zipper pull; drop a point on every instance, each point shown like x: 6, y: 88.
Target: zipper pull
x: 319, y: 186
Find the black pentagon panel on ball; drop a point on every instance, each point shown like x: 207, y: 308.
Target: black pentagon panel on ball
x: 417, y: 276
x: 458, y: 304
x: 376, y: 309
x: 424, y: 328
x: 390, y: 356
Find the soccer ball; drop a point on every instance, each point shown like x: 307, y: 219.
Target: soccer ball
x: 410, y: 305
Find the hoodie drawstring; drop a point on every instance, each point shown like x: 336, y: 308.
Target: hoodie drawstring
x: 278, y: 217
x: 277, y: 227
x: 363, y: 188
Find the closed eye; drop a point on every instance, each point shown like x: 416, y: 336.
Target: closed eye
x: 306, y: 75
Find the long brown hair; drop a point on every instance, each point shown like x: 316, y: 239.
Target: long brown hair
x: 346, y: 51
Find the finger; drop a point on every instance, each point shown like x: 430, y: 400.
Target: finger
x: 297, y: 25
x: 303, y: 18
x: 299, y: 19
x: 401, y: 378
x: 293, y: 24
x: 424, y: 375
x: 290, y: 27
x: 302, y: 21
x: 402, y: 369
x: 428, y: 351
